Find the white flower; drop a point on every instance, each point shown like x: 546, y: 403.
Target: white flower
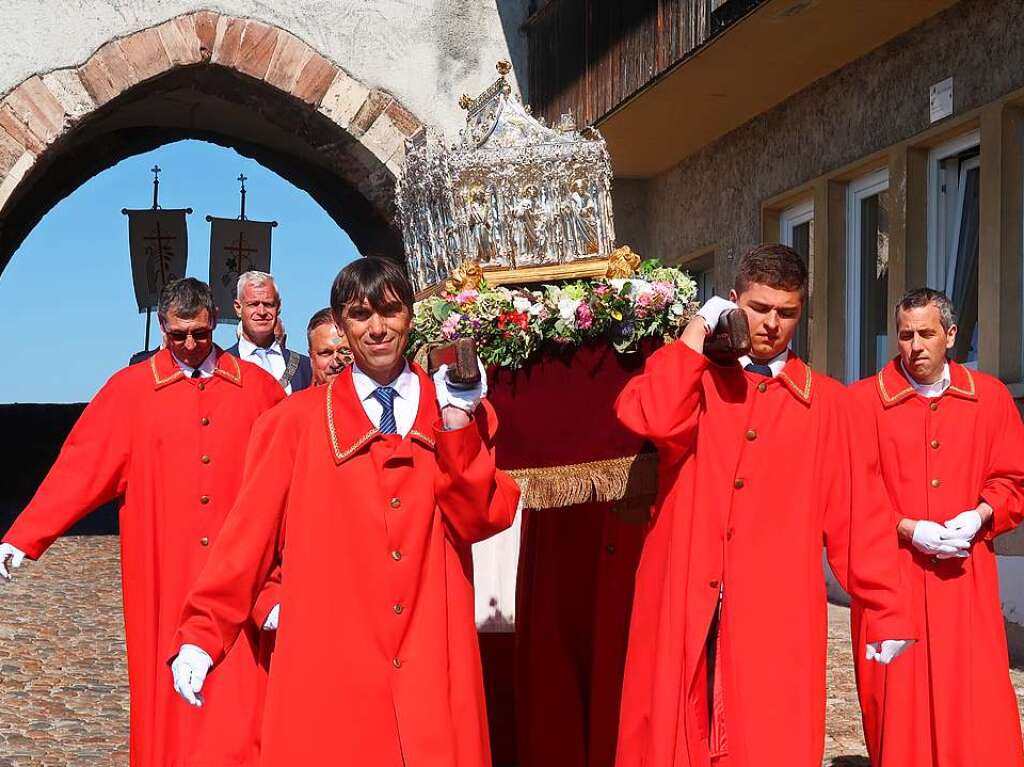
x: 567, y: 309
x: 639, y: 286
x: 522, y: 304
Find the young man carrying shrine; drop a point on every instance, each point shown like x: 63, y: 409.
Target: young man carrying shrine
x: 370, y: 491
x: 167, y: 438
x: 726, y: 659
x: 951, y: 445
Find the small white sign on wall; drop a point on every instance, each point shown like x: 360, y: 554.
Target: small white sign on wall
x: 940, y: 99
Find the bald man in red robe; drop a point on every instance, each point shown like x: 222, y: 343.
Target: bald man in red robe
x: 369, y: 491
x: 952, y: 455
x: 726, y: 658
x: 167, y: 438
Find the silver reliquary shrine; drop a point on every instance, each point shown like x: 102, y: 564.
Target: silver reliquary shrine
x: 521, y: 200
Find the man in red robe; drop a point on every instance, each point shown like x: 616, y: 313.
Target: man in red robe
x: 726, y: 658
x: 369, y: 491
x: 951, y: 445
x: 166, y: 437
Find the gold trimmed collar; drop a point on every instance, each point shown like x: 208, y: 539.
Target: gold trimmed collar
x: 349, y: 428
x: 893, y: 386
x: 798, y: 378
x: 166, y: 371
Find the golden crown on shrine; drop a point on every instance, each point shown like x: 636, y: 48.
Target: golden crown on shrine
x: 522, y: 201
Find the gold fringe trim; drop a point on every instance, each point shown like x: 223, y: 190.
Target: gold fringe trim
x: 617, y: 479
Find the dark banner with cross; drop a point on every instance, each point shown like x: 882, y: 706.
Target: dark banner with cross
x: 236, y: 246
x: 158, y: 243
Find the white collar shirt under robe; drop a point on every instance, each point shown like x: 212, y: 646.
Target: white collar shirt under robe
x: 929, y: 390
x: 776, y: 363
x: 407, y: 399
x: 275, y: 358
x: 206, y: 367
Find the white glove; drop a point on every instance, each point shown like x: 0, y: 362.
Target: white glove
x: 888, y: 650
x: 465, y: 400
x: 270, y: 624
x: 964, y: 525
x: 714, y: 308
x: 189, y: 669
x: 16, y: 555
x: 934, y: 539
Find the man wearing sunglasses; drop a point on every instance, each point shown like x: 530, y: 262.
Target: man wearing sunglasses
x: 167, y: 438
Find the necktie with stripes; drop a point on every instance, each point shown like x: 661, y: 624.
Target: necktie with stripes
x: 385, y: 395
x: 757, y: 367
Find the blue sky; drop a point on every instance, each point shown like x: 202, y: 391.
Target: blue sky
x: 67, y: 308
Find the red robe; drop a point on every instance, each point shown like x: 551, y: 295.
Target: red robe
x: 755, y: 475
x: 163, y: 443
x: 377, y: 661
x: 950, y: 703
x: 573, y: 599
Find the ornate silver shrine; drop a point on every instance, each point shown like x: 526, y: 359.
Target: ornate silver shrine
x: 516, y: 197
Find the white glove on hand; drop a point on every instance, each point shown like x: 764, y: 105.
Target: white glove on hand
x: 465, y: 400
x: 189, y: 669
x: 964, y: 525
x: 934, y: 539
x: 16, y: 555
x: 888, y: 650
x: 714, y: 308
x: 270, y: 624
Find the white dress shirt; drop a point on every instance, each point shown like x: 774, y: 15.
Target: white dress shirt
x: 929, y: 390
x: 275, y: 358
x: 206, y: 367
x: 407, y: 399
x: 776, y: 363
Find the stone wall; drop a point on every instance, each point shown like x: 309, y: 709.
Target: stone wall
x: 715, y: 195
x: 426, y: 53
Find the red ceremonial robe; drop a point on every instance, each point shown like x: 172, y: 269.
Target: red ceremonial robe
x: 377, y: 660
x: 755, y: 475
x: 171, y: 448
x: 949, y: 702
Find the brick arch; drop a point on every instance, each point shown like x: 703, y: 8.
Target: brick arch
x: 234, y: 81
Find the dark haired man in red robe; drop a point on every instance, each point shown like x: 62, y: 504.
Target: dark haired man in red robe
x: 166, y: 437
x: 369, y: 491
x: 951, y: 444
x: 726, y: 658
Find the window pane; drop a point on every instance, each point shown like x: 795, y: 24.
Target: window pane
x: 962, y: 287
x: 803, y: 243
x: 874, y: 282
x: 704, y: 278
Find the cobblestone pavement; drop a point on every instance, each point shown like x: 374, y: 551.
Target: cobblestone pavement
x: 63, y: 687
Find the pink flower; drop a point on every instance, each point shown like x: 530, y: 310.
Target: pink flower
x: 645, y: 299
x: 666, y: 290
x: 450, y: 327
x: 584, y: 317
x: 467, y: 296
x: 600, y: 290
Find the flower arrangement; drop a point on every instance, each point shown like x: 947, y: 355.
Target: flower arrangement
x: 510, y: 325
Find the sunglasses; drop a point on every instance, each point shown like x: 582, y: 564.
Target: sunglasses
x: 198, y: 335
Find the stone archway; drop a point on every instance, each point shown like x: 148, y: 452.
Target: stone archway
x: 234, y: 81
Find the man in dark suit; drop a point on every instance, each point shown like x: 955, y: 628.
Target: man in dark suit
x: 258, y: 306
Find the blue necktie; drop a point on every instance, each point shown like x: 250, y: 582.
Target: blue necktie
x: 757, y: 367
x: 385, y: 395
x: 262, y: 354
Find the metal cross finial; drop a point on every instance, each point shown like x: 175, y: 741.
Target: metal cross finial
x: 242, y: 179
x: 156, y: 185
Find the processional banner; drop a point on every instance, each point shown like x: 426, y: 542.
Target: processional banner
x: 236, y: 246
x: 158, y: 244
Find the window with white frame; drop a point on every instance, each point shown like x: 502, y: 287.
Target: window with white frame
x: 954, y: 177
x: 867, y: 275
x: 796, y: 229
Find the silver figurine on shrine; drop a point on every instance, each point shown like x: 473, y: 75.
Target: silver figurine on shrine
x: 521, y: 200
